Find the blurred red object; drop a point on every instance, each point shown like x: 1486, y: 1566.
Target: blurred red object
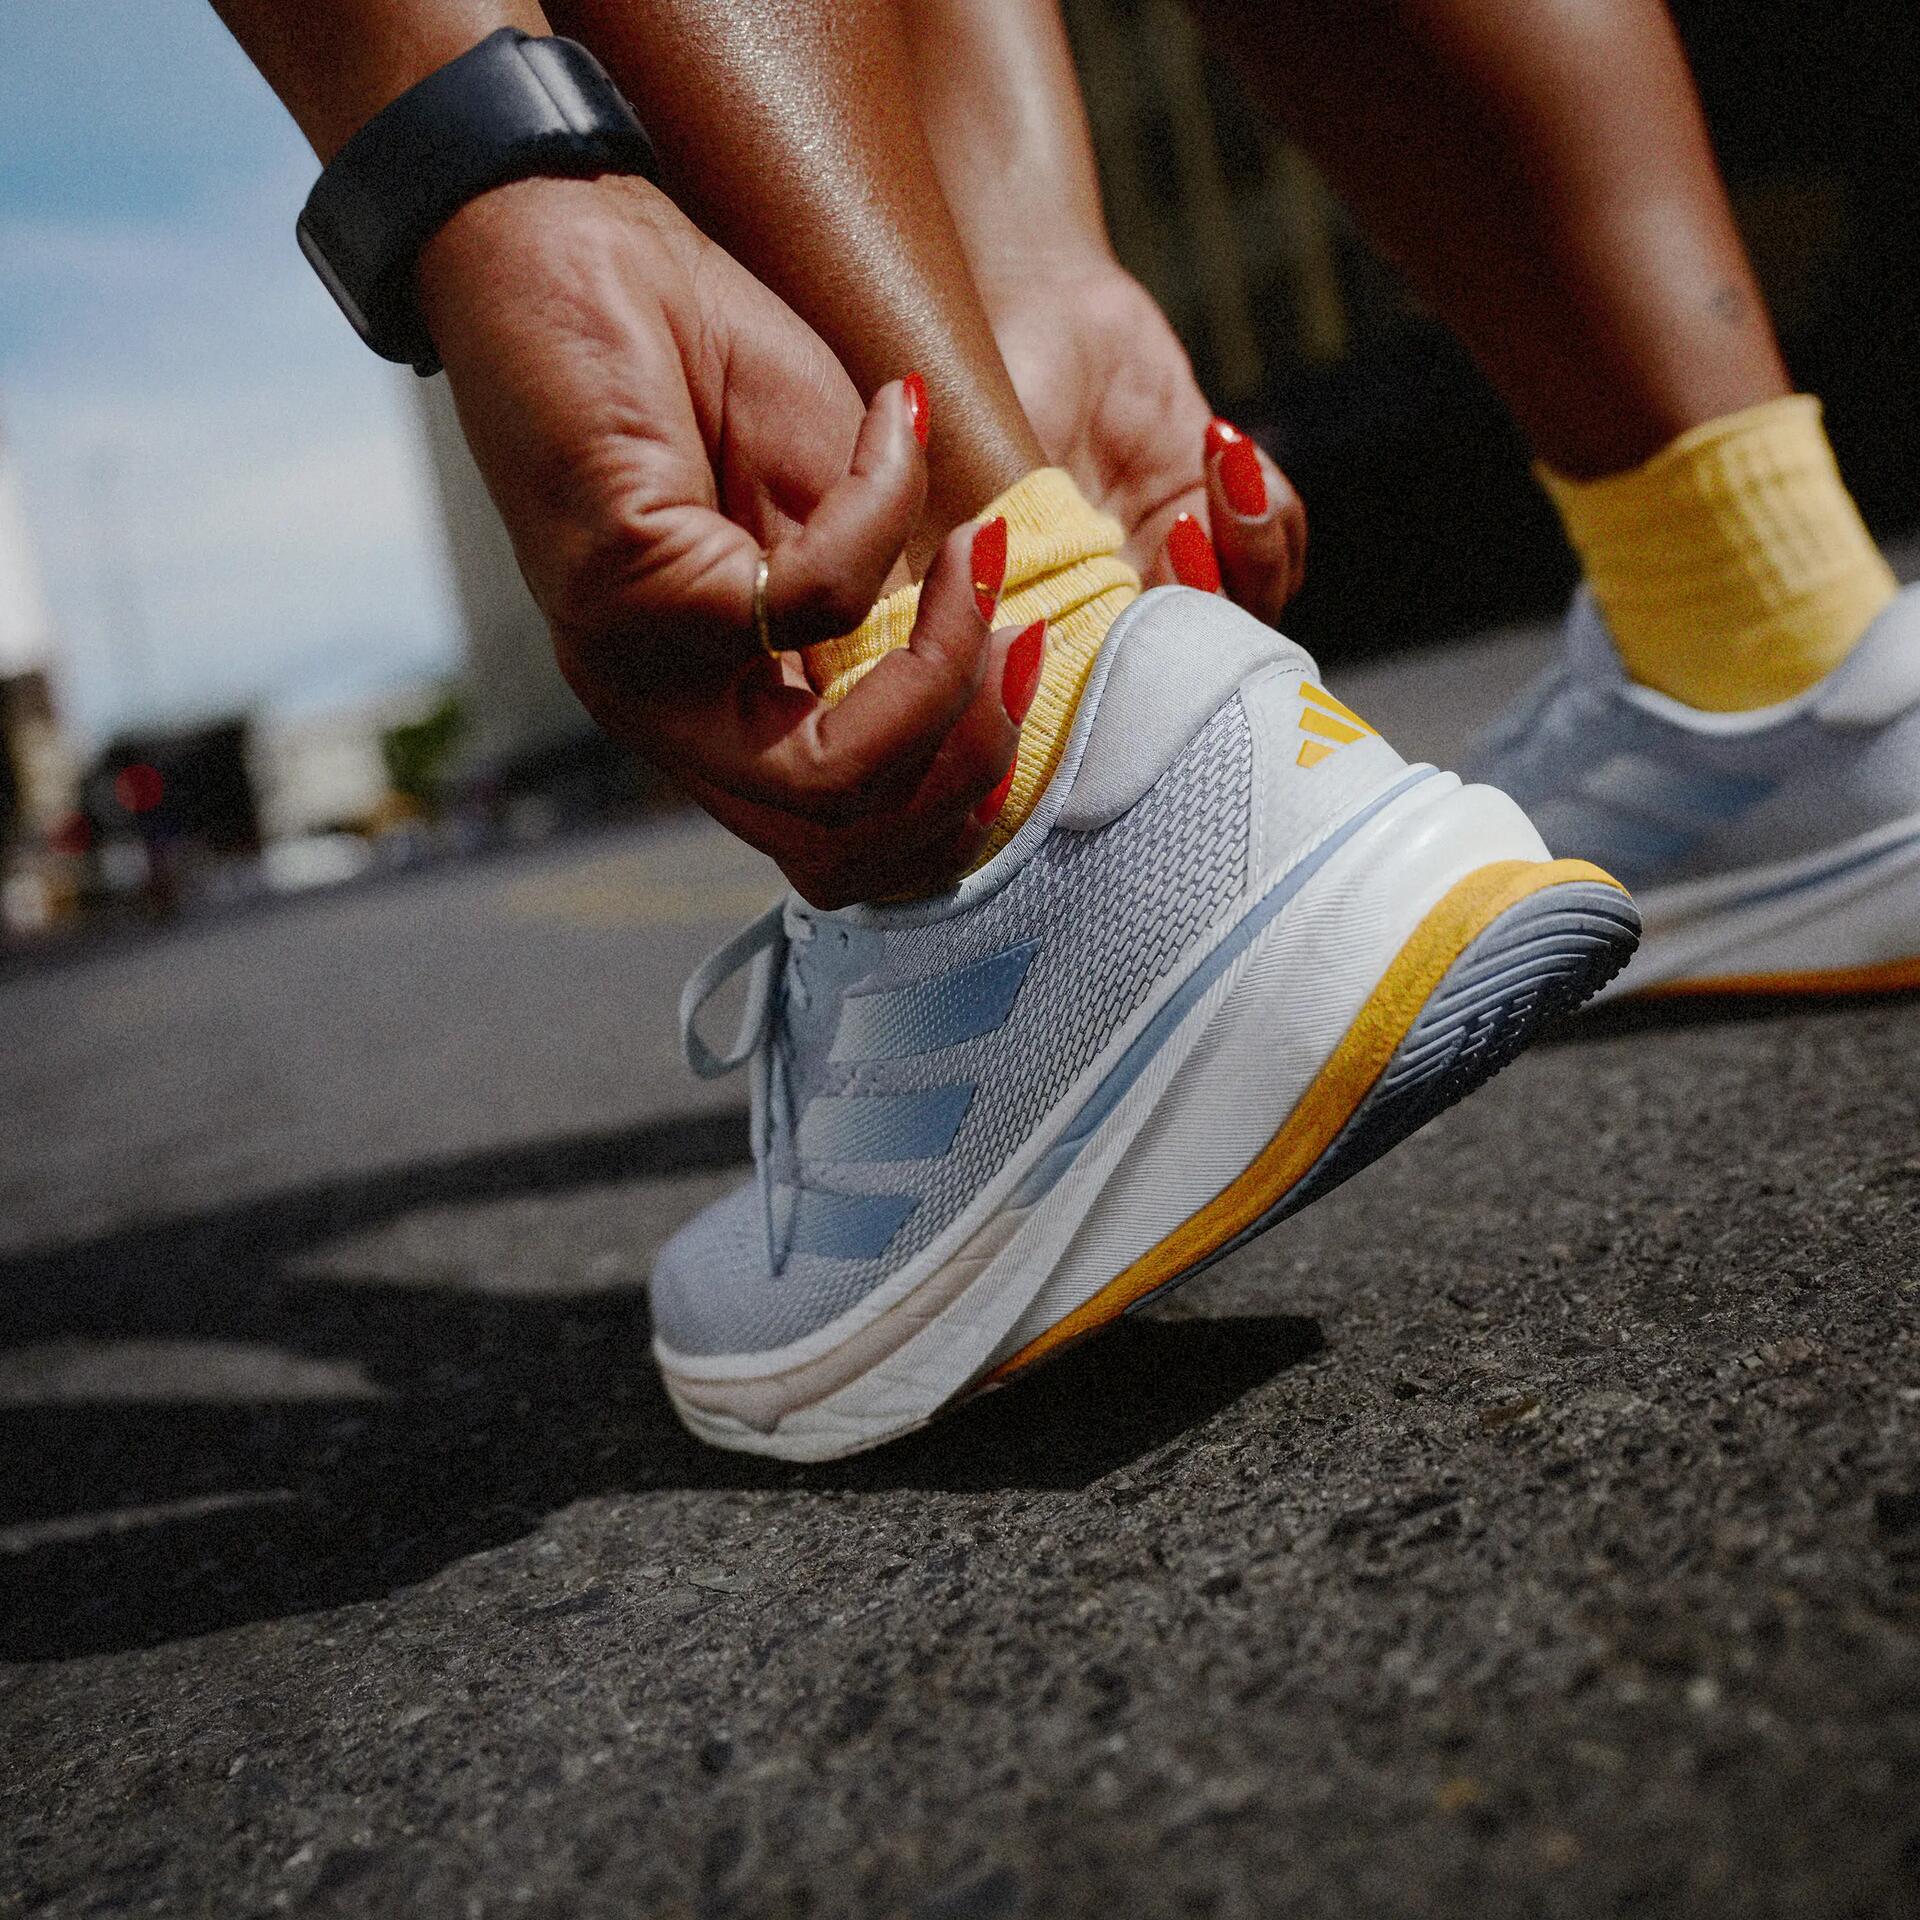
x: 71, y: 835
x: 139, y: 788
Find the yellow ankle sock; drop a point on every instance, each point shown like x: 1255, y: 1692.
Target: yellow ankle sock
x: 1733, y: 568
x: 1063, y: 567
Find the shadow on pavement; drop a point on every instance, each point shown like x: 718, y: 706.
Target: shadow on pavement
x: 496, y: 1411
x: 123, y: 1284
x: 1672, y: 1013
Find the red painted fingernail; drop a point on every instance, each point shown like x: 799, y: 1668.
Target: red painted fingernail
x: 1221, y: 434
x: 1022, y: 678
x: 988, y: 811
x: 1195, y: 563
x: 918, y: 407
x: 1243, y: 482
x: 989, y: 567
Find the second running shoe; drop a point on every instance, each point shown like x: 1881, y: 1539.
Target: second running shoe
x: 1775, y: 851
x: 1239, y: 951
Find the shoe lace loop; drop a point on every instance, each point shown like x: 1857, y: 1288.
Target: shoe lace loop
x: 759, y: 944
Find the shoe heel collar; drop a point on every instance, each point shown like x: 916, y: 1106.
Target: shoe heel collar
x: 1169, y: 663
x: 1881, y: 676
x: 1182, y: 657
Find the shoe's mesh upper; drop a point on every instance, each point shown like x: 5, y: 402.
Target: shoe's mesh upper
x: 1111, y: 911
x: 1656, y: 800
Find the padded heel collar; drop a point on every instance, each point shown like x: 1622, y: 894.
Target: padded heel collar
x: 1176, y: 657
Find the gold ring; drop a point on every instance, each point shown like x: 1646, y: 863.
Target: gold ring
x: 760, y: 629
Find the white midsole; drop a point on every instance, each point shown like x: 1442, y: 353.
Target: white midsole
x: 1785, y: 919
x: 1257, y: 1040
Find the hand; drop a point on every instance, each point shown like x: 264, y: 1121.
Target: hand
x: 1111, y: 394
x: 649, y: 418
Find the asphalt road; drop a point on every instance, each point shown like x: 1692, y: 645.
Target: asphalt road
x: 1531, y: 1528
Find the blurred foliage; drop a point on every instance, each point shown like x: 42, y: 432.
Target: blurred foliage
x: 419, y: 753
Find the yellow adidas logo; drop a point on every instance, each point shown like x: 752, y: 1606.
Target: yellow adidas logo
x: 1329, y: 725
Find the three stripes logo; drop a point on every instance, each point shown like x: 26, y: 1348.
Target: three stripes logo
x: 1327, y: 724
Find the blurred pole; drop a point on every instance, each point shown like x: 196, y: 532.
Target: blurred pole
x: 1214, y: 252
x: 1213, y: 242
x: 26, y: 623
x: 1298, y: 209
x: 1115, y: 112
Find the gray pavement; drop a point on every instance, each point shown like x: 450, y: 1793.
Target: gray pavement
x: 1531, y: 1528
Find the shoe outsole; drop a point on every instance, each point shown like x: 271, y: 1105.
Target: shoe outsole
x: 1529, y: 962
x: 1540, y: 961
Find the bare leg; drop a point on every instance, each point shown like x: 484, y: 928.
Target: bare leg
x: 1541, y: 172
x: 1105, y: 381
x: 789, y: 130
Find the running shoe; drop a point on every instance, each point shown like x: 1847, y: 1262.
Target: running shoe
x: 1776, y: 851
x: 1239, y: 950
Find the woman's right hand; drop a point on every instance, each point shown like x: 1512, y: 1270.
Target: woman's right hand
x: 649, y: 420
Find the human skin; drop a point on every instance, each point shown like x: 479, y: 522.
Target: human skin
x: 1539, y: 169
x: 789, y: 130
x: 1541, y: 172
x: 1104, y: 380
x: 900, y: 174
x: 649, y: 419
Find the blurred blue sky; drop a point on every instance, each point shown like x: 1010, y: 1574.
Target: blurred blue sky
x: 174, y: 382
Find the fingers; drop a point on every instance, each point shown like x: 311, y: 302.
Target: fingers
x: 1259, y: 523
x: 940, y: 833
x: 973, y: 773
x: 1257, y: 551
x: 912, y: 849
x: 882, y: 741
x: 824, y: 580
x: 895, y: 790
x: 1190, y: 556
x: 667, y: 599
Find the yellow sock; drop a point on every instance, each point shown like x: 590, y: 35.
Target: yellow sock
x: 1733, y: 568
x: 1063, y: 567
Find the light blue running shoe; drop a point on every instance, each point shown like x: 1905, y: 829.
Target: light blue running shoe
x: 1776, y: 851
x: 1240, y: 950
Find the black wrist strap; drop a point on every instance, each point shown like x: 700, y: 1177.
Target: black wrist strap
x: 512, y: 108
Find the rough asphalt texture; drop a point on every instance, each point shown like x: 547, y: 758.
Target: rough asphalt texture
x: 1531, y: 1528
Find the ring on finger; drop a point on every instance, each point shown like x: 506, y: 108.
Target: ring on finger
x: 761, y: 631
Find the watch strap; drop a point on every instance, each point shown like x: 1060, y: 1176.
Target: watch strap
x: 512, y: 108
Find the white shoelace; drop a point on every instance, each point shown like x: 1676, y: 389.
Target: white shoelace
x: 761, y: 944
x: 758, y: 944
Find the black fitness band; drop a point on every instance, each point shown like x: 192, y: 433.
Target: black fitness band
x: 512, y: 108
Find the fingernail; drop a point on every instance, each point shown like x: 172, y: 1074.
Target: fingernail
x: 1194, y: 562
x: 918, y: 407
x: 988, y: 811
x: 1242, y: 481
x: 1221, y: 434
x: 1022, y: 678
x: 989, y: 567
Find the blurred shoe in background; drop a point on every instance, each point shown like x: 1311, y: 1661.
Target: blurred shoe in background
x: 1770, y: 851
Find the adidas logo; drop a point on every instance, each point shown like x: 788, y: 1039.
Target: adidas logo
x: 1327, y: 724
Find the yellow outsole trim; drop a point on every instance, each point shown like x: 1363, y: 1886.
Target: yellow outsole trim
x: 1891, y: 976
x: 1460, y: 917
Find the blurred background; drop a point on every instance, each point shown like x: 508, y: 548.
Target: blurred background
x: 260, y: 633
